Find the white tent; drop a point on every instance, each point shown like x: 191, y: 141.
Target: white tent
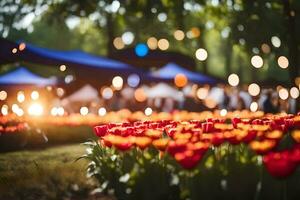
x: 85, y: 94
x: 163, y: 90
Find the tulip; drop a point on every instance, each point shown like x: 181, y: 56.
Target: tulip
x: 279, y: 164
x: 142, y: 142
x: 188, y: 159
x: 100, y: 131
x: 176, y: 146
x: 161, y: 144
x: 262, y: 147
x: 296, y: 135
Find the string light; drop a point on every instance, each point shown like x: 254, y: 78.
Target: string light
x: 4, y: 109
x: 140, y: 95
x: 22, y: 46
x: 3, y: 95
x: 107, y: 93
x: 152, y: 43
x: 62, y: 68
x: 20, y: 97
x: 202, y: 93
x: 118, y: 43
x: 102, y: 111
x: 35, y: 109
x: 294, y: 92
x: 257, y: 61
x: 14, y: 50
x: 233, y: 80
x: 84, y: 111
x: 283, y: 94
x: 180, y: 80
x: 201, y: 54
x: 253, y: 89
x: 148, y: 111
x: 179, y: 35
x: 117, y: 82
x: 253, y: 107
x: 283, y: 62
x: 163, y: 44
x: 35, y: 95
x: 223, y: 112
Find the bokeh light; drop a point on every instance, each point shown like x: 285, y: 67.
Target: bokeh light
x: 283, y: 94
x: 202, y: 93
x: 276, y: 42
x: 294, y: 92
x: 223, y: 112
x: 4, y: 109
x: 140, y: 95
x: 3, y: 95
x: 233, y: 79
x: 133, y: 80
x: 179, y: 35
x: 127, y: 38
x: 22, y: 46
x: 141, y: 50
x: 180, y: 80
x: 35, y: 109
x: 62, y: 68
x: 253, y: 106
x: 117, y: 82
x: 163, y: 44
x: 257, y: 61
x: 20, y: 97
x: 102, y: 111
x: 107, y: 93
x: 118, y: 43
x: 283, y: 62
x: 148, y: 111
x: 84, y: 110
x: 253, y: 89
x: 152, y: 43
x: 201, y: 54
x: 14, y: 50
x: 35, y: 95
x: 60, y: 92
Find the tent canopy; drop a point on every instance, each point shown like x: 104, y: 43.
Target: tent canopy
x: 22, y: 76
x: 76, y: 57
x: 85, y: 94
x: 169, y: 71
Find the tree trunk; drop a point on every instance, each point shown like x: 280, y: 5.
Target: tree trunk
x: 110, y: 34
x: 292, y: 40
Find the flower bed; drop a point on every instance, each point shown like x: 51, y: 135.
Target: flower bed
x: 211, y: 159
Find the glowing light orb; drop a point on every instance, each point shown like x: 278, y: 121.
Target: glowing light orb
x: 84, y: 111
x: 257, y: 61
x: 117, y: 82
x: 233, y: 79
x: 141, y: 50
x: 201, y: 54
x: 35, y: 109
x: 148, y: 111
x: 102, y: 111
x: 180, y: 80
x: 253, y: 89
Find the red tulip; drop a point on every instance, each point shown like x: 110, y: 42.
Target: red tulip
x: 100, y: 131
x: 188, y: 159
x: 279, y: 164
x: 176, y: 146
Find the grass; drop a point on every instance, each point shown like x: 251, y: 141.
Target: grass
x: 50, y: 173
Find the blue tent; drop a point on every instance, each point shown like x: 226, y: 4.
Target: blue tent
x: 170, y: 70
x: 22, y: 76
x: 75, y: 58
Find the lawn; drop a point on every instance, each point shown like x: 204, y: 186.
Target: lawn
x: 50, y: 173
